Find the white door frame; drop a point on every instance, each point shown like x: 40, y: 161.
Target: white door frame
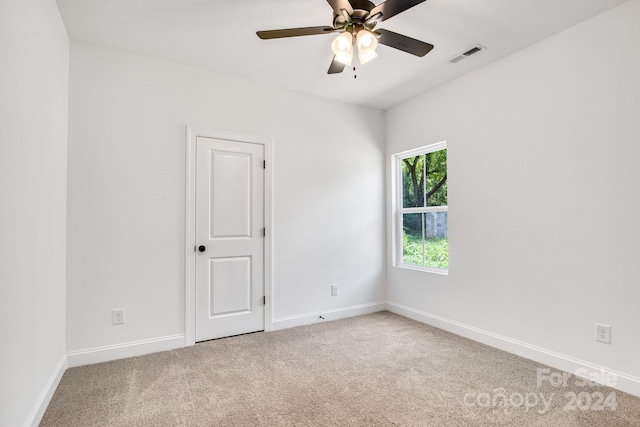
x: 193, y: 132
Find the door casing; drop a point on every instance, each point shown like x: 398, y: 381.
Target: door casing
x: 192, y: 133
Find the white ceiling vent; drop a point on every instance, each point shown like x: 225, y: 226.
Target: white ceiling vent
x: 477, y: 48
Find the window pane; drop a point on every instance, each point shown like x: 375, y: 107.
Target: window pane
x: 436, y: 242
x: 412, y: 248
x: 436, y: 172
x: 423, y: 193
x: 413, y: 182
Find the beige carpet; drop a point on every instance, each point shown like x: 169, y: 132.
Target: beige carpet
x: 374, y: 370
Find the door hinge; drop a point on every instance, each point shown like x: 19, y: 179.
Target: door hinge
x: 264, y: 164
x: 264, y: 300
x: 264, y: 232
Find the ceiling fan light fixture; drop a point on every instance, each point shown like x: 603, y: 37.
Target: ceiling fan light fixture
x: 356, y: 21
x: 367, y: 44
x: 342, y: 48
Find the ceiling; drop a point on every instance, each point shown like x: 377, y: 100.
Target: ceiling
x: 220, y: 35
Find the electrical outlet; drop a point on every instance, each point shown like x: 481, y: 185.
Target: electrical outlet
x: 334, y: 290
x: 118, y: 316
x: 603, y: 333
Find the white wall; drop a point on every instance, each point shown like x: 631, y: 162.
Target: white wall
x: 127, y: 189
x: 544, y: 205
x: 34, y: 48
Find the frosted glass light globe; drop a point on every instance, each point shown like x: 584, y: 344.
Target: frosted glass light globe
x: 342, y: 48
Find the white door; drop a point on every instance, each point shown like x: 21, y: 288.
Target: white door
x: 229, y: 238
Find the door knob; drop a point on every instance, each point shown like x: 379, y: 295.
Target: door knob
x: 201, y: 248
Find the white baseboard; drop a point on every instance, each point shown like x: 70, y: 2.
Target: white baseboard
x: 333, y: 314
x: 39, y: 408
x: 623, y: 382
x: 121, y: 351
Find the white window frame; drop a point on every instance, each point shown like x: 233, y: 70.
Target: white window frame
x: 399, y: 211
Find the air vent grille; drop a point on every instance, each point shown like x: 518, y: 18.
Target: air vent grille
x: 475, y: 49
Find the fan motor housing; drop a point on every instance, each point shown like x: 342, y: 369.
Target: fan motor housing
x: 361, y: 9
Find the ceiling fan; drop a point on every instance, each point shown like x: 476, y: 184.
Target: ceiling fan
x: 356, y: 20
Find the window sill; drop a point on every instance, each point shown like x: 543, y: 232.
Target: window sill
x: 441, y: 271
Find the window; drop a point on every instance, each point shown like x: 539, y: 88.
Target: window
x: 421, y: 227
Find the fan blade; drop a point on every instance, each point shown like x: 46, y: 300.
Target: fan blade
x: 336, y: 67
x: 338, y: 5
x: 393, y: 7
x: 294, y: 32
x: 404, y: 43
